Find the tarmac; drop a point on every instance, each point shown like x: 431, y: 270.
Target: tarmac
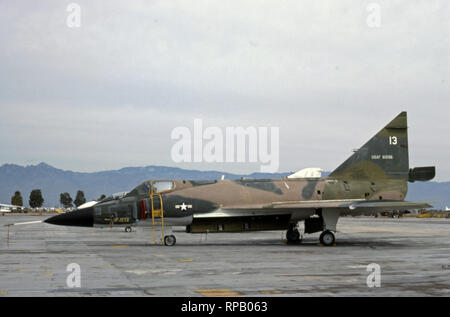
x: 413, y: 257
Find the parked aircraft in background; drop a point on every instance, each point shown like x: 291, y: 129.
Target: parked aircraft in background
x: 8, y: 208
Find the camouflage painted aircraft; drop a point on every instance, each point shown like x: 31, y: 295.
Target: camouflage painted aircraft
x: 374, y: 179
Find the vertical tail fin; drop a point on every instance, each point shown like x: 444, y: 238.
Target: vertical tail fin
x: 383, y: 156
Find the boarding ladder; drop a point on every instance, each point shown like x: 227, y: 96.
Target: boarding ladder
x: 157, y: 212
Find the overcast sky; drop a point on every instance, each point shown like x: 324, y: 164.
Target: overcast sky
x: 108, y: 94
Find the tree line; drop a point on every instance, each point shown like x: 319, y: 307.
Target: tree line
x: 36, y: 199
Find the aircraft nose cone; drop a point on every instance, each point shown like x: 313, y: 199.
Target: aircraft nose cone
x: 78, y: 218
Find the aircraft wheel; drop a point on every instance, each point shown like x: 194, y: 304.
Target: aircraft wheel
x: 327, y: 238
x: 293, y: 236
x: 170, y: 240
x: 128, y: 229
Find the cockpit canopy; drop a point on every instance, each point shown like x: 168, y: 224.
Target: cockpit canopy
x: 162, y: 186
x: 154, y: 187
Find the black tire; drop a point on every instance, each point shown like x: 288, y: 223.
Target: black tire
x: 170, y: 240
x: 293, y: 236
x: 128, y: 229
x: 327, y: 238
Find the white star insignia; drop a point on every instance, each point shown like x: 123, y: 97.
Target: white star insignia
x: 183, y: 206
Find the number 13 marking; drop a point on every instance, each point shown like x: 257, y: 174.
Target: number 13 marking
x: 393, y: 140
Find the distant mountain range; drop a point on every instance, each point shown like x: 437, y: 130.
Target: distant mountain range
x: 53, y: 181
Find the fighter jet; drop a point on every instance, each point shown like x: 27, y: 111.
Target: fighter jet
x: 372, y: 180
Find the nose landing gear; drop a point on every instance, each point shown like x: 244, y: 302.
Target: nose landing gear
x: 170, y: 240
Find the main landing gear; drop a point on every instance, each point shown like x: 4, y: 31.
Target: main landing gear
x: 293, y: 235
x: 327, y: 238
